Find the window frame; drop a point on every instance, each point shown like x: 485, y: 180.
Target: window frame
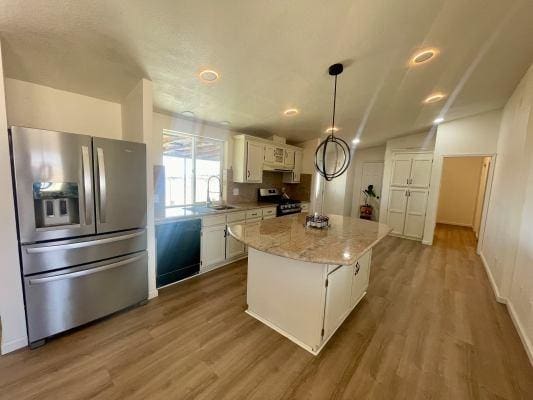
x: 194, y: 138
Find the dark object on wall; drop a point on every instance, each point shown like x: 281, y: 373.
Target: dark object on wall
x: 332, y: 144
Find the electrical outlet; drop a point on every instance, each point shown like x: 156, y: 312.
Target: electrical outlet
x: 235, y: 191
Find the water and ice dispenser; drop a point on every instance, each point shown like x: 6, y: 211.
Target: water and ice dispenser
x: 56, y: 204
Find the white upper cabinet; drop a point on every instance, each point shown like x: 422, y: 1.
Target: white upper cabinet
x: 253, y: 155
x: 295, y: 175
x: 248, y: 156
x: 421, y: 170
x: 411, y: 170
x: 254, y: 162
x: 289, y: 158
x: 274, y: 155
x: 401, y: 170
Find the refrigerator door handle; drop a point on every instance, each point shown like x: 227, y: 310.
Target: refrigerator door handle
x: 102, y: 183
x: 87, y: 184
x: 78, y: 245
x: 85, y: 272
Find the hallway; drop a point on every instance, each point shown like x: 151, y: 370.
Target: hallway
x: 428, y: 328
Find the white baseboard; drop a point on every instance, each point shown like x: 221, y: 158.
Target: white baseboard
x: 427, y: 242
x: 495, y: 289
x: 521, y: 332
x: 152, y: 294
x: 14, y: 345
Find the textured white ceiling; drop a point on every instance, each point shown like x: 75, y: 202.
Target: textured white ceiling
x: 274, y: 54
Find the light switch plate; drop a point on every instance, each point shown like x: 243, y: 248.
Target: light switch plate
x: 235, y: 191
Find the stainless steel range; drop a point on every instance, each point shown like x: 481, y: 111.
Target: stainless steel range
x: 81, y: 213
x: 285, y: 206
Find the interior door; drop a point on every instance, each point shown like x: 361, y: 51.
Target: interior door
x: 254, y: 162
x: 53, y: 184
x: 401, y: 170
x: 421, y: 170
x: 415, y: 213
x: 397, y: 207
x: 338, y: 293
x: 120, y: 182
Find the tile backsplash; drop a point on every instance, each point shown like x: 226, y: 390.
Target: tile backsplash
x: 248, y: 191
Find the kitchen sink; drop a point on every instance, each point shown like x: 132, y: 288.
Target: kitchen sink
x: 222, y: 207
x: 206, y: 209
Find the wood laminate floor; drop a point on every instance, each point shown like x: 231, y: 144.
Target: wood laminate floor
x: 429, y: 328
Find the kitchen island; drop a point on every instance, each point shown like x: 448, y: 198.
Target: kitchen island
x: 304, y: 282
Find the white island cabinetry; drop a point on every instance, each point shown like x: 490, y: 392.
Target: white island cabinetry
x: 304, y: 282
x: 306, y: 302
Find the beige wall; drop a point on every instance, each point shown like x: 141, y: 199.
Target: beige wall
x: 507, y: 246
x: 459, y: 188
x: 12, y: 315
x: 37, y: 106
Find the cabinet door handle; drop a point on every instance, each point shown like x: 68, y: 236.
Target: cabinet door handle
x: 357, y: 267
x: 248, y: 174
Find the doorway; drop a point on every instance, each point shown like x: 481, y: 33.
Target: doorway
x: 462, y: 194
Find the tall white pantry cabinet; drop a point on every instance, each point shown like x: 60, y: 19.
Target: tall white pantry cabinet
x: 408, y: 193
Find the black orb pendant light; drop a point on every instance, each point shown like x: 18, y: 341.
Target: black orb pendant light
x: 332, y: 145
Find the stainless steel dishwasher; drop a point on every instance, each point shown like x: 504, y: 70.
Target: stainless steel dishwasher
x: 178, y: 250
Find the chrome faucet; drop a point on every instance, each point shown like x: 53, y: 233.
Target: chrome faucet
x: 208, y: 201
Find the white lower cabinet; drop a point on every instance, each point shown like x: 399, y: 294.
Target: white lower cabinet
x: 213, y: 246
x: 338, y: 294
x: 360, y: 277
x: 346, y: 286
x: 218, y: 246
x: 304, y: 301
x: 234, y: 248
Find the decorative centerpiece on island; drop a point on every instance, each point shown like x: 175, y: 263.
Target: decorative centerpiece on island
x: 317, y: 221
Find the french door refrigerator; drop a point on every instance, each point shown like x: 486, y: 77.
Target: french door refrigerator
x: 81, y: 216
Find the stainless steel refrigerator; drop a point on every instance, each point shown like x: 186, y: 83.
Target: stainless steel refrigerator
x: 81, y: 214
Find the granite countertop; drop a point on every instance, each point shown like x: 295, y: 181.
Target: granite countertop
x: 179, y: 213
x: 341, y: 244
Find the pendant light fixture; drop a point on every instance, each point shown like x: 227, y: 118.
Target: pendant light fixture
x: 332, y: 146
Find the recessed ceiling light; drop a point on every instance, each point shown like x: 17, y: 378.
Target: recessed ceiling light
x: 189, y: 114
x: 356, y: 140
x: 224, y: 122
x: 289, y: 112
x: 433, y: 98
x: 208, y: 75
x: 332, y: 129
x: 423, y: 56
x: 438, y: 120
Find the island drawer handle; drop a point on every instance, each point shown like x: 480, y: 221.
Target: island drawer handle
x: 357, y: 267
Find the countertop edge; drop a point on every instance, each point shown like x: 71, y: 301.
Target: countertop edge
x: 351, y: 261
